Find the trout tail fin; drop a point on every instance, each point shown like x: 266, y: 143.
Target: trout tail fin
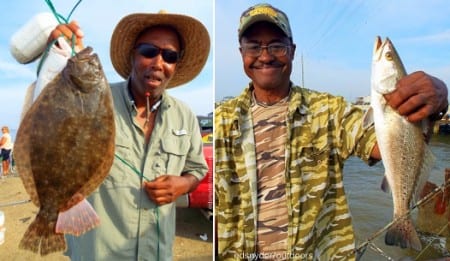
x: 403, y: 234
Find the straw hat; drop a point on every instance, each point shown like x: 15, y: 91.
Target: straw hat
x: 195, y: 43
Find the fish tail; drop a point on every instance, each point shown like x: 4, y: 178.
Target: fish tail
x: 78, y: 219
x: 52, y: 242
x: 403, y: 234
x: 41, y: 238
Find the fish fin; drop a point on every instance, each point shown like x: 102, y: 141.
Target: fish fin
x: 385, y: 185
x: 368, y: 118
x: 78, y: 219
x: 28, y: 100
x: 428, y: 163
x: 23, y: 160
x: 426, y: 126
x: 41, y: 238
x: 403, y: 234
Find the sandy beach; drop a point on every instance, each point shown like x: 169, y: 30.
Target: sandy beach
x: 19, y: 213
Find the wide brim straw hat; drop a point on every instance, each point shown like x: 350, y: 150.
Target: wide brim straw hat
x: 195, y: 43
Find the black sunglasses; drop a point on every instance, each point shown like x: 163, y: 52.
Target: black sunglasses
x: 150, y: 51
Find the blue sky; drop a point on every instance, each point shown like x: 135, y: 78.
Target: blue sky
x: 335, y: 37
x: 97, y: 19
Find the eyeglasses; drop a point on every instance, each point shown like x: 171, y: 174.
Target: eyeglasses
x: 255, y: 50
x: 150, y: 51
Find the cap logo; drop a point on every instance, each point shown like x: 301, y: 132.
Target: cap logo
x: 263, y: 10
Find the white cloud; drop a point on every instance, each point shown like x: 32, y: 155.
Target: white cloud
x: 200, y: 99
x: 436, y: 38
x: 11, y: 70
x: 11, y: 100
x: 443, y: 73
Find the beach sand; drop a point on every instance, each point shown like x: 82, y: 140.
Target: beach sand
x: 19, y: 213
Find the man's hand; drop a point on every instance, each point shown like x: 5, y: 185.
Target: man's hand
x: 166, y: 189
x: 418, y: 95
x: 69, y: 31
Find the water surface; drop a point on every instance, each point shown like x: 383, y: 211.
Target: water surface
x: 371, y: 208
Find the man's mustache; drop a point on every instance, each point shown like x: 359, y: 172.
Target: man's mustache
x: 273, y: 64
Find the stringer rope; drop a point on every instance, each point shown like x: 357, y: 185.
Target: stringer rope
x: 156, y: 209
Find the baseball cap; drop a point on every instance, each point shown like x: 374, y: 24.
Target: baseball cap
x: 264, y: 12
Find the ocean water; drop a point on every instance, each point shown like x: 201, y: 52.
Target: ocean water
x: 372, y: 209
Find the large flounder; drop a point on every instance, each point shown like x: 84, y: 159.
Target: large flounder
x: 64, y: 149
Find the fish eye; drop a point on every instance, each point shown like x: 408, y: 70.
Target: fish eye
x: 388, y: 56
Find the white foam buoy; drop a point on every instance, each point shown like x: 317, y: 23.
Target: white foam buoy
x: 2, y: 227
x: 30, y: 41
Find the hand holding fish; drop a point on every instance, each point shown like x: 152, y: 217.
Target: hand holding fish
x: 69, y: 31
x: 418, y: 96
x: 166, y: 189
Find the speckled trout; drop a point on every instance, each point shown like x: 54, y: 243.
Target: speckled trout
x: 406, y: 157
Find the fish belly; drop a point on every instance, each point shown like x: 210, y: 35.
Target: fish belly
x: 402, y: 146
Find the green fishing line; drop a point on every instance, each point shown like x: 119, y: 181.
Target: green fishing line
x: 156, y: 209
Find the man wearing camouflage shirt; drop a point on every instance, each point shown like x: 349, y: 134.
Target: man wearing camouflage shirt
x: 280, y: 150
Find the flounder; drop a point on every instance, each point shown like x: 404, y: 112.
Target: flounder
x: 64, y: 149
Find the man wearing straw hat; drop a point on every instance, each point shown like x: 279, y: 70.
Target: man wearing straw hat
x: 158, y: 142
x: 280, y: 150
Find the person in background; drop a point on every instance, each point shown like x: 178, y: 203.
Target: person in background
x: 158, y: 143
x: 280, y: 151
x: 6, y: 145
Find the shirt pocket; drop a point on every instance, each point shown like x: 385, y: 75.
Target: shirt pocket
x: 312, y: 161
x: 313, y: 158
x: 174, y: 150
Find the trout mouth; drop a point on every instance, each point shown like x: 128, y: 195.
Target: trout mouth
x: 377, y: 48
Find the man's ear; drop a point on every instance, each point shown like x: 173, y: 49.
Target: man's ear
x: 293, y: 47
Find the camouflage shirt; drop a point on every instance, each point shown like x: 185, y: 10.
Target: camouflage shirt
x: 322, y: 131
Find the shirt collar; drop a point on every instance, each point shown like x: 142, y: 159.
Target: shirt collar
x: 296, y: 100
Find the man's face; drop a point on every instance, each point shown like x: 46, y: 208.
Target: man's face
x: 152, y: 74
x: 267, y: 71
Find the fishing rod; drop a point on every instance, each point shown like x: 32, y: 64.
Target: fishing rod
x: 363, y: 246
x: 15, y: 203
